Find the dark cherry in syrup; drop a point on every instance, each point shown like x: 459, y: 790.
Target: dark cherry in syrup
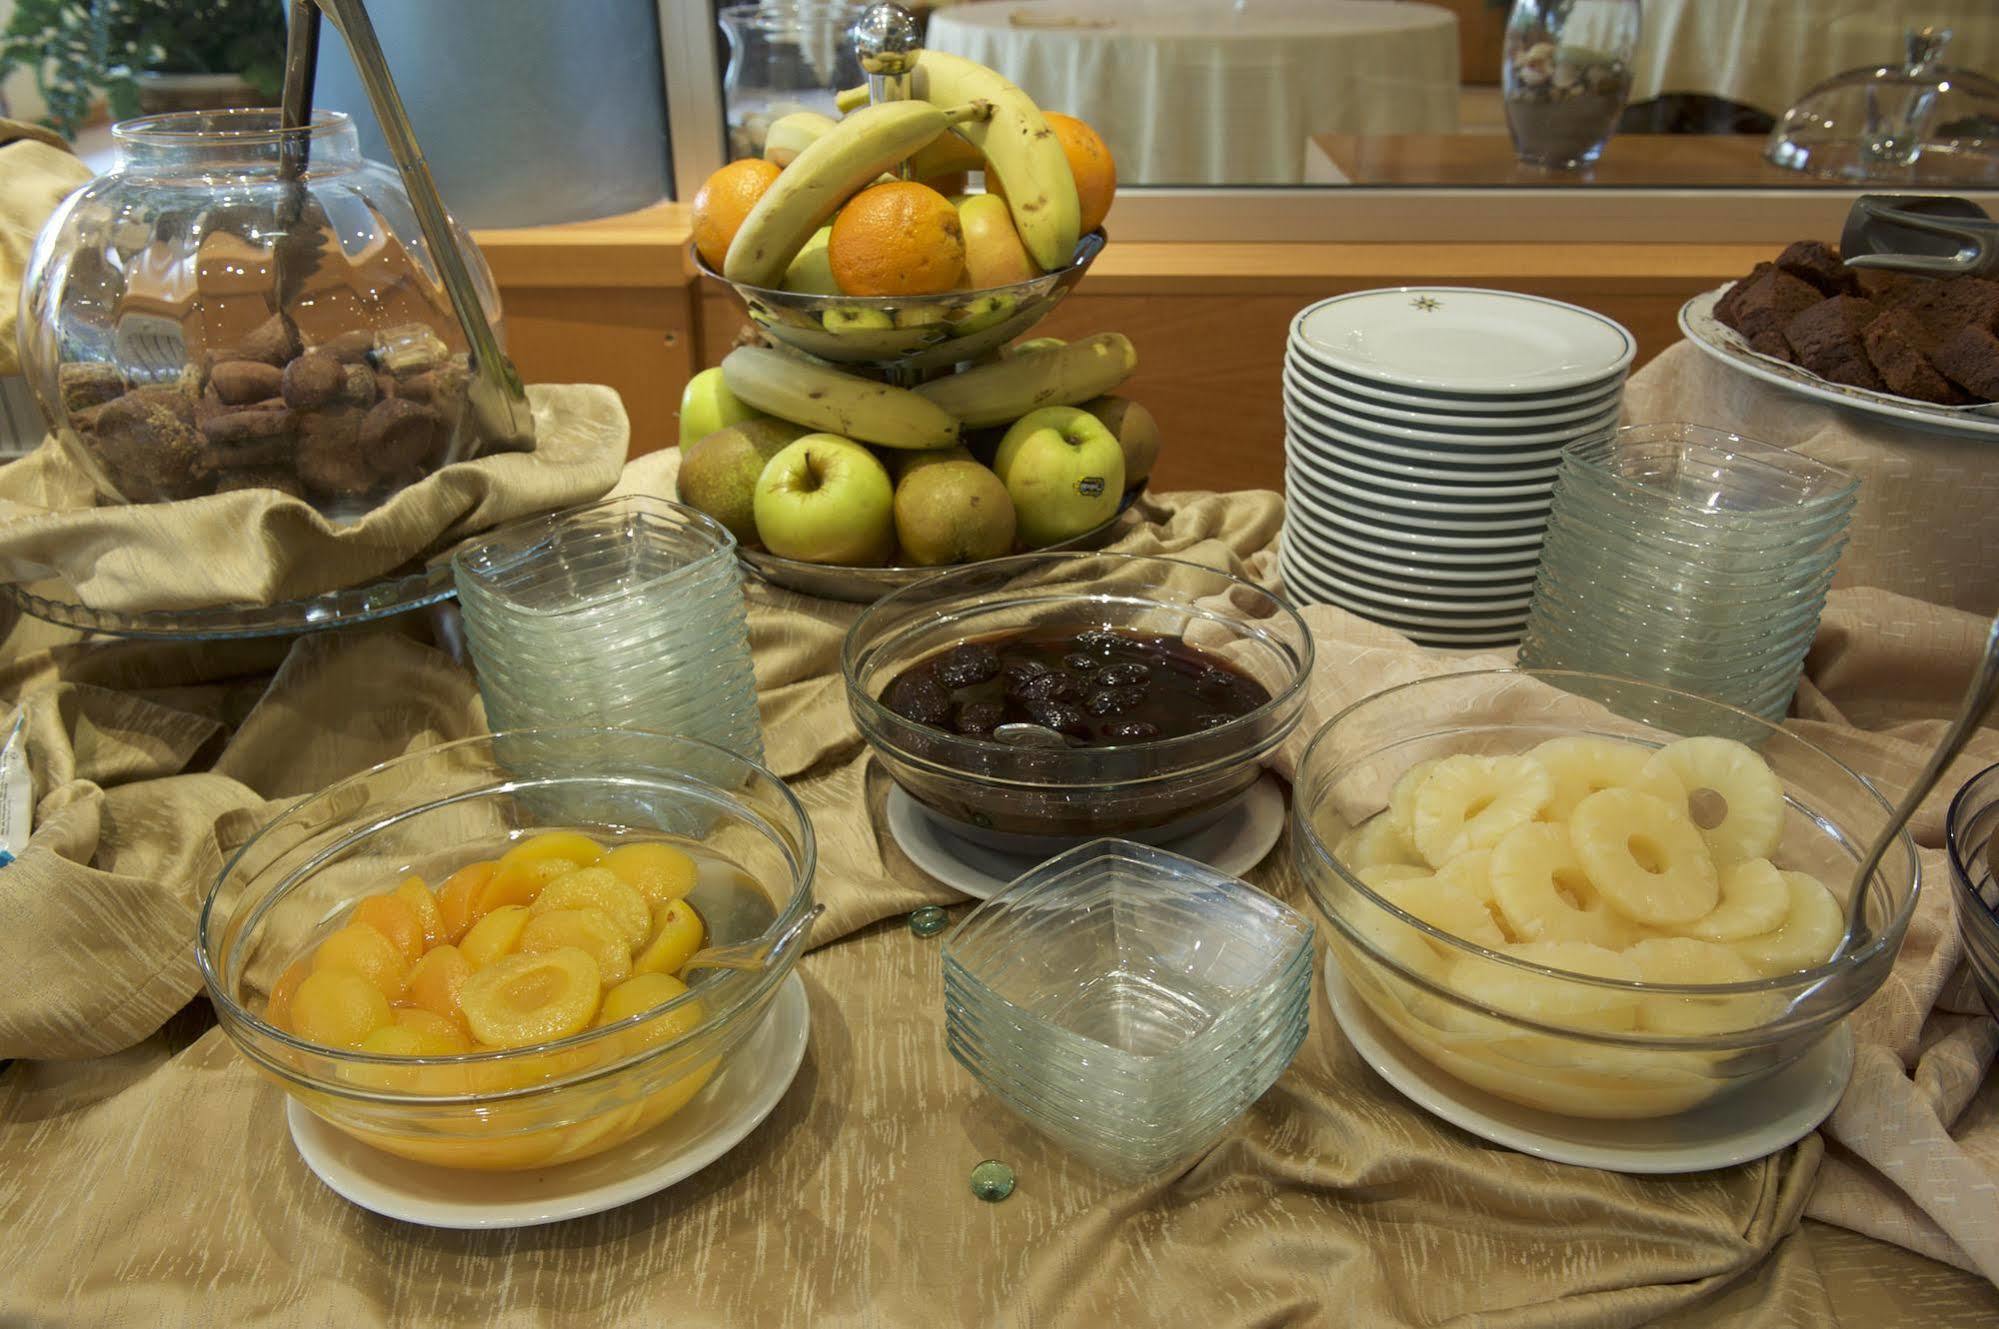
x: 1102, y: 686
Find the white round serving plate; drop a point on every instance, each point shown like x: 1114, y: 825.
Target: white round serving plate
x: 1430, y: 470
x: 1334, y: 420
x: 1754, y: 1122
x: 1233, y: 843
x: 1319, y: 543
x: 1478, y: 629
x: 1459, y: 339
x: 1309, y: 384
x: 1511, y: 545
x: 1415, y: 506
x: 1428, y: 611
x: 1361, y: 472
x: 1476, y: 564
x: 1462, y: 453
x: 1331, y: 565
x: 745, y: 1091
x: 1449, y: 404
x: 1717, y: 339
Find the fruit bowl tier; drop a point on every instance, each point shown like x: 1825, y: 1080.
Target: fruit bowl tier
x: 909, y: 336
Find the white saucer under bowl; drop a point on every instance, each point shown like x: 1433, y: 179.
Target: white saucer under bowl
x: 1463, y: 339
x: 1751, y: 1123
x: 716, y: 1120
x: 1339, y: 396
x: 1233, y: 843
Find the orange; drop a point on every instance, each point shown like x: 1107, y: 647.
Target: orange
x: 724, y: 199
x: 900, y: 238
x: 1090, y: 162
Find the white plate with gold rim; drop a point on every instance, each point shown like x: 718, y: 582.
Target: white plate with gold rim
x: 716, y: 1120
x: 1737, y: 1127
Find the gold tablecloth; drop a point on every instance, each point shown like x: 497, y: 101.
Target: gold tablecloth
x: 157, y: 1184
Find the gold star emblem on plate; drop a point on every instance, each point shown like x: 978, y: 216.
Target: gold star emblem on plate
x: 1426, y: 303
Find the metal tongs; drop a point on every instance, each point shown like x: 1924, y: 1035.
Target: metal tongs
x: 494, y: 391
x: 1935, y: 235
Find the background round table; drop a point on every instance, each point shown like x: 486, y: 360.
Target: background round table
x: 1212, y: 92
x: 1769, y: 53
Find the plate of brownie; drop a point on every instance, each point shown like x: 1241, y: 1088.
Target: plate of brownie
x: 1922, y: 350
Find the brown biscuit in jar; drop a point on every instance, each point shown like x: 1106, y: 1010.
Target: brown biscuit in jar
x: 280, y: 478
x: 330, y: 460
x: 148, y: 444
x: 357, y: 386
x: 400, y: 436
x: 313, y: 380
x: 249, y: 424
x: 275, y: 341
x: 351, y: 347
x: 87, y: 383
x: 241, y: 382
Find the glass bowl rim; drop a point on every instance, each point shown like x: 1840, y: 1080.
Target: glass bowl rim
x: 260, y: 124
x: 859, y: 701
x: 1954, y: 847
x: 233, y: 1010
x: 1844, y: 960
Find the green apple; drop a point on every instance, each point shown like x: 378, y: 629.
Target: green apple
x: 718, y: 474
x: 952, y: 510
x: 811, y: 271
x: 1064, y: 472
x: 1137, y: 433
x: 825, y: 499
x: 706, y: 404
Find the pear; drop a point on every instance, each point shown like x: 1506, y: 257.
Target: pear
x: 718, y: 473
x: 811, y: 271
x: 1136, y: 432
x: 903, y: 460
x: 952, y: 510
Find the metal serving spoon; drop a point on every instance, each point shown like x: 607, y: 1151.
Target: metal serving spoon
x: 753, y: 955
x: 1978, y: 699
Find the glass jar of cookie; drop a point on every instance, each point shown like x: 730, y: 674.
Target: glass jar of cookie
x: 195, y: 323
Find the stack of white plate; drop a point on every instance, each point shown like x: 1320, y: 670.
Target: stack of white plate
x: 1423, y: 427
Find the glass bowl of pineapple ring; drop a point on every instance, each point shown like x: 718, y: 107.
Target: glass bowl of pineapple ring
x: 1247, y: 651
x: 524, y: 1033
x: 1594, y: 896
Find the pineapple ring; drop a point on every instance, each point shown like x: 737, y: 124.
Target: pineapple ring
x: 1645, y: 857
x: 1402, y: 798
x: 1543, y: 894
x: 1749, y: 819
x: 1445, y: 907
x: 1808, y: 936
x: 1754, y: 900
x: 1469, y: 802
x: 1555, y: 1001
x: 1687, y: 960
x: 1581, y: 765
x: 1377, y: 842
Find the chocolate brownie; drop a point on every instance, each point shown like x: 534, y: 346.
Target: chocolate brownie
x: 1897, y: 346
x: 1729, y: 308
x: 1827, y: 340
x: 1821, y: 266
x: 1884, y: 286
x: 1773, y: 345
x: 1970, y: 359
x: 1772, y: 301
x: 1952, y: 303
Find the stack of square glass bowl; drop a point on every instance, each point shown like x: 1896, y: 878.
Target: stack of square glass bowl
x: 1970, y: 835
x: 1423, y: 428
x: 1128, y: 1003
x: 1689, y: 558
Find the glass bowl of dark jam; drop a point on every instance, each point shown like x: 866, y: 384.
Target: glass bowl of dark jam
x: 1060, y: 697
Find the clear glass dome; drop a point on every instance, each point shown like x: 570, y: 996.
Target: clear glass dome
x: 193, y: 323
x: 1921, y: 124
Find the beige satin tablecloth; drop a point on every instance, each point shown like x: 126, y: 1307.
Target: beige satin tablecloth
x: 1191, y: 92
x: 157, y: 1185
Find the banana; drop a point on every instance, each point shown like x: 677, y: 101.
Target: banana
x: 848, y: 100
x: 856, y: 408
x: 1019, y: 148
x: 834, y: 166
x: 1053, y: 376
x: 792, y: 134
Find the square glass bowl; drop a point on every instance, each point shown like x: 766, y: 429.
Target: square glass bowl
x: 1127, y: 1002
x: 1973, y: 826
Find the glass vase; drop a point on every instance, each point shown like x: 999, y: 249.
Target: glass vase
x: 1566, y: 75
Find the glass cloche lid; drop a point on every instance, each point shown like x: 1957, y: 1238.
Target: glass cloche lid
x: 1921, y: 123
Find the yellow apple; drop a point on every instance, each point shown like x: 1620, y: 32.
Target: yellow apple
x: 994, y: 255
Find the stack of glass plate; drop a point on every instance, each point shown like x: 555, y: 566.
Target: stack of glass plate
x: 1688, y: 558
x: 1128, y: 1003
x: 1423, y: 427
